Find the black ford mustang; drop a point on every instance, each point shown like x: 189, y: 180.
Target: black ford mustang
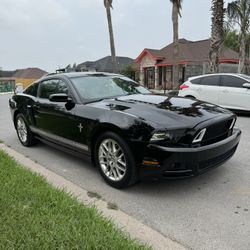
x: 128, y: 132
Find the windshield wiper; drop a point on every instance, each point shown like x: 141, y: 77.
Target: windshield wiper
x: 99, y: 99
x: 95, y: 100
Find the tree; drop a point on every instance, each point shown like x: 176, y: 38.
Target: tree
x: 108, y: 6
x: 238, y: 13
x: 216, y: 41
x: 131, y: 71
x: 231, y: 40
x: 176, y: 12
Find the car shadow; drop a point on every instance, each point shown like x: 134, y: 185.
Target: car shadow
x: 180, y: 186
x: 242, y: 114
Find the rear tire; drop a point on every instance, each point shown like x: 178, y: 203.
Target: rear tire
x: 24, y: 134
x: 115, y: 160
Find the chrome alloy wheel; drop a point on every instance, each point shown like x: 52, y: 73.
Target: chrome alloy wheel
x: 22, y: 130
x: 112, y: 159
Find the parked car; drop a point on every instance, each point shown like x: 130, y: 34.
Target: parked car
x: 230, y: 91
x: 129, y: 133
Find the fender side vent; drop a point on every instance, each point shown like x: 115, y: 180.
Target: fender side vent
x: 199, y: 136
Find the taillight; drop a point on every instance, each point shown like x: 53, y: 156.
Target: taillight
x: 184, y: 86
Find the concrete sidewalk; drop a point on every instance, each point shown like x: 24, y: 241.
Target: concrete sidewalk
x: 135, y: 228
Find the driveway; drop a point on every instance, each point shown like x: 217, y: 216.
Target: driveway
x: 211, y: 211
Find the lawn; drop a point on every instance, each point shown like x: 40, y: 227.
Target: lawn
x: 35, y: 215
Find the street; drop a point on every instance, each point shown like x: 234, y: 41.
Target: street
x: 211, y: 211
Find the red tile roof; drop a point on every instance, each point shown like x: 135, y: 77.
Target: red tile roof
x: 189, y: 51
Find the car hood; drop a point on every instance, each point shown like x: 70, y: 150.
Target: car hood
x: 166, y: 111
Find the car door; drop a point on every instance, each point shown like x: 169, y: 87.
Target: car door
x: 208, y: 88
x: 232, y: 94
x: 53, y: 120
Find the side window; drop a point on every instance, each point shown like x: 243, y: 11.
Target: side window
x: 53, y: 86
x: 210, y: 80
x: 196, y: 81
x: 232, y: 81
x: 32, y: 89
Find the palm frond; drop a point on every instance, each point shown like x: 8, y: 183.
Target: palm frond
x: 178, y: 4
x: 233, y: 10
x: 238, y: 12
x: 108, y: 3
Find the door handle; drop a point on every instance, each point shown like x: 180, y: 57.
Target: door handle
x: 225, y: 91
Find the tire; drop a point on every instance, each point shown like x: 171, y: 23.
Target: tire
x: 24, y: 134
x: 115, y: 160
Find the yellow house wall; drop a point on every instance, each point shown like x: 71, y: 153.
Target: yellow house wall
x: 24, y: 81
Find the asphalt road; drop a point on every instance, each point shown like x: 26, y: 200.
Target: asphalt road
x: 211, y: 211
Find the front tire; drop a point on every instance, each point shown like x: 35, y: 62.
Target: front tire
x: 24, y: 134
x: 115, y: 160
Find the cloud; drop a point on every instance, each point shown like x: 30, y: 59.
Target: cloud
x: 25, y: 12
x: 52, y: 33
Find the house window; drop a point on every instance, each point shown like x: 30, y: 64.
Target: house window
x: 149, y: 77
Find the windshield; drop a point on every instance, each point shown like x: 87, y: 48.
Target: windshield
x: 99, y: 87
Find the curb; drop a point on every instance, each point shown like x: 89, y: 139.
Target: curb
x: 132, y: 226
x: 5, y: 93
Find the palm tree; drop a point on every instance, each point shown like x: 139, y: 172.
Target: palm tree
x: 176, y: 12
x: 216, y: 41
x: 238, y: 13
x: 108, y: 6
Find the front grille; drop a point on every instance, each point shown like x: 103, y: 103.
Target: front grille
x: 217, y: 132
x: 216, y: 160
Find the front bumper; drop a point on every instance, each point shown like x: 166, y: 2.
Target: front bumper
x: 188, y: 162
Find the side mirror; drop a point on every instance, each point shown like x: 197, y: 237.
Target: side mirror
x: 246, y: 85
x: 59, y: 98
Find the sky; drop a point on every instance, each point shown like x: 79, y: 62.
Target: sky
x: 54, y: 33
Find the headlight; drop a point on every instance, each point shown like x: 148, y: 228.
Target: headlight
x: 159, y: 136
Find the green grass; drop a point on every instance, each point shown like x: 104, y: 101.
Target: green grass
x: 35, y: 215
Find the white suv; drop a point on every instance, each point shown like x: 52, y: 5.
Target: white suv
x: 231, y: 91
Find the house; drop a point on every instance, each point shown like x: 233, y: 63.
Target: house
x: 6, y: 84
x: 9, y: 79
x: 156, y: 65
x: 105, y: 64
x: 27, y: 76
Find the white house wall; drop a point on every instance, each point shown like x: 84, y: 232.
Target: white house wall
x: 145, y: 62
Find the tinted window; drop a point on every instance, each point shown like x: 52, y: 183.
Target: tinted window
x: 232, y: 81
x: 210, y: 80
x: 96, y: 87
x: 50, y: 87
x: 32, y: 90
x: 247, y: 77
x: 196, y: 81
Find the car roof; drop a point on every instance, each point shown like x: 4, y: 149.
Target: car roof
x: 79, y: 74
x: 72, y: 75
x: 217, y: 74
